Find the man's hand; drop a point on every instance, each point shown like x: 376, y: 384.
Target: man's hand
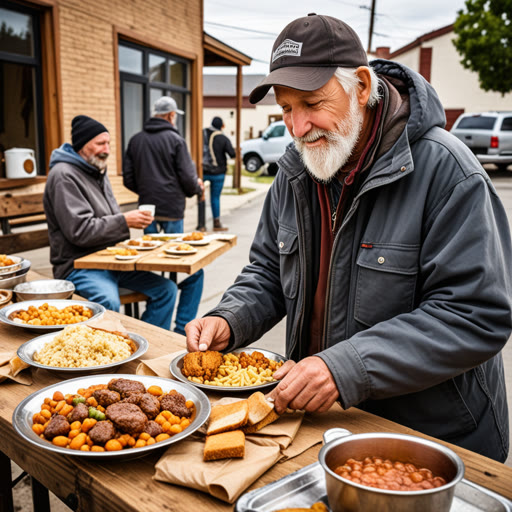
x: 307, y: 385
x: 209, y: 333
x: 138, y: 219
x: 201, y: 184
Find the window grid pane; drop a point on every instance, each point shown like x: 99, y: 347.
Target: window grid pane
x: 130, y: 60
x: 16, y: 33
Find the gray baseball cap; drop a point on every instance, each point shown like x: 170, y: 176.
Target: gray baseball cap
x: 308, y: 51
x: 166, y: 104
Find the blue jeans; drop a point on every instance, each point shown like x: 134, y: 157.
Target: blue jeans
x: 216, y: 185
x: 191, y: 288
x: 102, y: 286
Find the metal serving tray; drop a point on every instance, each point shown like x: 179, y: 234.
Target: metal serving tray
x: 307, y: 486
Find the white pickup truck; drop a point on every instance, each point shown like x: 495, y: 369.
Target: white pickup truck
x: 267, y: 149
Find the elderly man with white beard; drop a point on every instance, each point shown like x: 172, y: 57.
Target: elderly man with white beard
x: 383, y: 242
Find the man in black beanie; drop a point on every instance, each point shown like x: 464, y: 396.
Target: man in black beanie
x: 83, y: 217
x: 216, y: 147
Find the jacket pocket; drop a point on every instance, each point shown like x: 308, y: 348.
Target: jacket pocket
x: 386, y: 282
x: 288, y: 244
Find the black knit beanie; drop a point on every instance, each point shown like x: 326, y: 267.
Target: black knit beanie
x: 83, y: 129
x: 217, y: 123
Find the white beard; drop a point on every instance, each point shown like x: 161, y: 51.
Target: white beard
x: 324, y: 162
x: 100, y: 161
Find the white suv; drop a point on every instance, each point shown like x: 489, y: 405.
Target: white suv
x: 488, y: 135
x: 266, y: 149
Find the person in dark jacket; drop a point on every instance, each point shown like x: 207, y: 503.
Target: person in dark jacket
x: 217, y: 146
x: 384, y: 243
x: 157, y: 166
x: 83, y: 217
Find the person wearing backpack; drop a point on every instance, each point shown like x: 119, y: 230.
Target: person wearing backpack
x: 216, y: 148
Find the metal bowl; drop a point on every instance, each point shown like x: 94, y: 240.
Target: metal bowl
x: 345, y: 495
x: 45, y: 289
x: 97, y: 310
x: 9, y: 269
x: 177, y: 365
x: 21, y: 269
x: 27, y: 350
x: 22, y: 416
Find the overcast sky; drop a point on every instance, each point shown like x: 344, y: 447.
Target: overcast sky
x: 252, y: 26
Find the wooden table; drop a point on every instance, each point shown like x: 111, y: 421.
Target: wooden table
x: 156, y: 260
x: 127, y: 486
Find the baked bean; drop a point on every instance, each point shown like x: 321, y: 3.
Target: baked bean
x: 385, y: 474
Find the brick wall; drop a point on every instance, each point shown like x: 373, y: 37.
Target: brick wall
x: 87, y: 50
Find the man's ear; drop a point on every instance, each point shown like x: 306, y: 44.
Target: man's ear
x: 365, y: 85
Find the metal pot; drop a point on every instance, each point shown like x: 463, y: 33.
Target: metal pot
x: 347, y: 496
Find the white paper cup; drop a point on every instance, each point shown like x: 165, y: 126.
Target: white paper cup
x: 148, y: 208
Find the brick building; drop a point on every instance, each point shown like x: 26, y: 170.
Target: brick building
x: 109, y: 60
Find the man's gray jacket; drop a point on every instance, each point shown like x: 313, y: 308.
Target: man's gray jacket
x: 82, y: 213
x: 418, y: 302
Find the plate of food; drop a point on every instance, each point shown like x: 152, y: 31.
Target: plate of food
x: 10, y: 264
x: 93, y: 423
x: 162, y: 237
x: 195, y: 238
x: 143, y: 245
x: 80, y: 349
x: 122, y: 251
x: 126, y: 257
x: 217, y: 371
x: 181, y: 249
x: 50, y: 315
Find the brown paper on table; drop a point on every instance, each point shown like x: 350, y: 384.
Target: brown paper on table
x: 112, y: 325
x: 11, y: 366
x: 182, y: 464
x: 159, y: 366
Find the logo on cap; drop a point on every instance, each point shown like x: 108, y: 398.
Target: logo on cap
x: 287, y: 47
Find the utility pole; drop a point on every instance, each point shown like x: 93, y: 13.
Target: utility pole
x: 372, y: 15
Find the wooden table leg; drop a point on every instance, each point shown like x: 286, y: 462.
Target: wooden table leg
x: 40, y: 496
x: 6, y: 502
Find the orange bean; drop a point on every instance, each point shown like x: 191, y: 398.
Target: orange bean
x: 92, y: 401
x: 162, y: 437
x: 60, y: 405
x: 185, y: 423
x: 73, y: 433
x: 96, y: 448
x: 76, y: 425
x: 45, y: 407
x: 140, y: 443
x: 166, y: 426
x: 175, y: 429
x: 189, y: 404
x: 58, y: 396
x: 144, y: 435
x: 150, y: 441
x: 87, y: 424
x: 155, y: 390
x: 66, y: 409
x: 61, y: 441
x: 85, y: 448
x: 38, y: 428
x: 113, y: 445
x: 78, y: 441
x: 45, y: 413
x: 166, y: 414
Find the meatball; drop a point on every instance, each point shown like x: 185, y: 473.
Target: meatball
x: 149, y: 405
x: 102, y: 432
x: 79, y: 413
x: 128, y: 418
x: 106, y: 397
x: 134, y: 398
x: 126, y: 387
x: 175, y: 403
x: 153, y: 428
x: 57, y: 426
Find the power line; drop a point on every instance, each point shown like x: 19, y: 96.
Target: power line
x: 239, y: 28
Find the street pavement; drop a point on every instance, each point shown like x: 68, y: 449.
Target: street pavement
x: 241, y: 214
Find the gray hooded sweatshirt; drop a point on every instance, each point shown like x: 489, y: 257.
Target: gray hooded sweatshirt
x: 418, y: 301
x: 82, y: 213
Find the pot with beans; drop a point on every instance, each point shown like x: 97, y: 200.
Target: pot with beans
x: 388, y: 472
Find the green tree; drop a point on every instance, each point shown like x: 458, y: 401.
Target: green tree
x: 484, y: 40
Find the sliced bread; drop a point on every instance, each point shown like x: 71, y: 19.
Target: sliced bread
x: 259, y: 407
x: 225, y: 445
x: 228, y: 417
x: 269, y: 418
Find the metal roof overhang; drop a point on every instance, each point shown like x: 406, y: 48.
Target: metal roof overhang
x: 217, y: 53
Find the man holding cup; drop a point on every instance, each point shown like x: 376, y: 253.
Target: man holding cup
x: 158, y: 167
x: 83, y: 217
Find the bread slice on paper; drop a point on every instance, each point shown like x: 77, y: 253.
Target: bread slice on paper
x: 267, y: 420
x: 225, y: 445
x: 259, y: 407
x: 228, y: 417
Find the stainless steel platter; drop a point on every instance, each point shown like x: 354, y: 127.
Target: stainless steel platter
x: 307, y: 486
x: 177, y: 365
x: 22, y: 416
x: 97, y: 310
x: 27, y: 350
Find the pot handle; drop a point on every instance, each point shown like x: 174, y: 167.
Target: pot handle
x: 335, y: 433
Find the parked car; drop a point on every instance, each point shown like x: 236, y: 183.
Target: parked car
x: 266, y: 149
x: 488, y: 135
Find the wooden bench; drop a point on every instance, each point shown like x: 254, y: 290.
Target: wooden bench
x: 22, y: 210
